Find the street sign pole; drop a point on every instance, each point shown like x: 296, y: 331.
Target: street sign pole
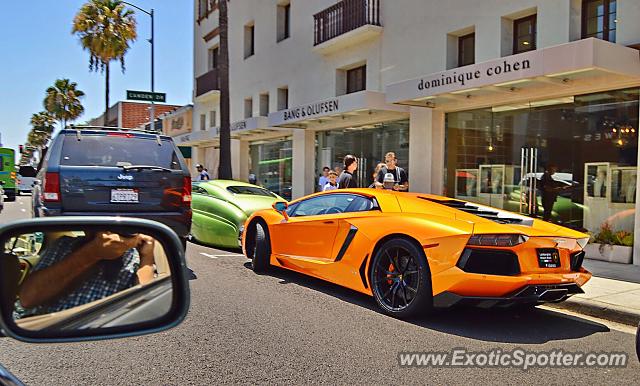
x: 153, y: 108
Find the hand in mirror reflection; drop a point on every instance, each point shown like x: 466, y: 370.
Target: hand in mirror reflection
x: 73, y: 271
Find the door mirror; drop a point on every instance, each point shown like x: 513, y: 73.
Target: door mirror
x: 280, y: 206
x: 81, y: 278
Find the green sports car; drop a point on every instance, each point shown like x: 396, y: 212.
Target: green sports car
x: 220, y: 208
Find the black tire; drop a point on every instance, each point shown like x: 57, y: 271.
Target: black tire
x: 638, y: 342
x: 401, y: 279
x: 11, y: 196
x: 261, y: 250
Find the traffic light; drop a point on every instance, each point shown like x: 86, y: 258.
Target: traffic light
x: 21, y: 148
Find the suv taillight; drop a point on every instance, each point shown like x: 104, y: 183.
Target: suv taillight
x: 186, y: 191
x: 51, y: 185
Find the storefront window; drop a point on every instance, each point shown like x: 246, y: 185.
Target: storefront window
x: 271, y: 164
x: 497, y: 156
x: 368, y: 143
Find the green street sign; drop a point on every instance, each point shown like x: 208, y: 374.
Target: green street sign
x: 146, y: 96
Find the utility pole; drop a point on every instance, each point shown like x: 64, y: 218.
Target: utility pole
x: 152, y: 111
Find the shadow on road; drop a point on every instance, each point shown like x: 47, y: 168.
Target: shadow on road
x: 534, y: 326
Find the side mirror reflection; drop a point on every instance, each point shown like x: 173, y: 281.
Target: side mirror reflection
x: 87, y: 280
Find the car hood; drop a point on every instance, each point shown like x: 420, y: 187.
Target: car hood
x: 249, y: 204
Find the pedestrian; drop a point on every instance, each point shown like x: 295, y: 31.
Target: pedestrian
x: 324, y: 178
x: 203, y: 175
x: 346, y: 179
x: 332, y: 183
x: 399, y: 174
x: 252, y: 179
x: 375, y: 175
x: 549, y: 189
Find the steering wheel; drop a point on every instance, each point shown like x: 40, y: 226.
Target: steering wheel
x: 333, y: 210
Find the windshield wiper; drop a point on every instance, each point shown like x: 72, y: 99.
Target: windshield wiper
x: 145, y: 167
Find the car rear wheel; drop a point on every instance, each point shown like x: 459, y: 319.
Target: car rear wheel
x: 261, y: 249
x: 401, y: 279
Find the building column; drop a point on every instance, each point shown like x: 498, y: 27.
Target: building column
x: 636, y: 226
x: 426, y: 150
x: 195, y: 159
x: 302, y: 175
x: 240, y: 159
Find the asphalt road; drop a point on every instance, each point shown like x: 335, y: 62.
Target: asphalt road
x: 286, y: 328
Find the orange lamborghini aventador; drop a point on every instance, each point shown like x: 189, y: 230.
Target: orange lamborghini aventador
x: 413, y: 252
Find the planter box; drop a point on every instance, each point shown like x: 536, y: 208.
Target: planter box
x: 610, y: 253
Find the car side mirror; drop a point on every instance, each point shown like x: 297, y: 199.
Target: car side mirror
x: 121, y: 277
x: 281, y: 207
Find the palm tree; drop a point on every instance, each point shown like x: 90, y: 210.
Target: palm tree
x: 62, y: 101
x: 43, y: 121
x: 105, y: 28
x: 224, y: 168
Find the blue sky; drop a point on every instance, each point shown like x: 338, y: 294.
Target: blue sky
x: 37, y: 48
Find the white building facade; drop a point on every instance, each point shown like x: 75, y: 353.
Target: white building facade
x: 477, y: 98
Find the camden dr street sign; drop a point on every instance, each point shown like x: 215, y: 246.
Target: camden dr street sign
x: 146, y: 96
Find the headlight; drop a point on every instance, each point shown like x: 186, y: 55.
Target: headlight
x: 501, y: 240
x: 583, y: 242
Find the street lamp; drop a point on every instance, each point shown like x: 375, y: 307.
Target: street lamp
x: 152, y: 119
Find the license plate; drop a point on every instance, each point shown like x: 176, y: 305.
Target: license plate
x: 548, y: 258
x: 124, y: 195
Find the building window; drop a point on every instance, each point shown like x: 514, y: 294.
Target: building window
x: 284, y: 13
x: 356, y: 79
x: 524, y: 34
x: 212, y: 118
x: 213, y: 58
x: 283, y: 98
x: 249, y: 40
x: 248, y: 108
x: 203, y: 121
x: 599, y: 19
x: 264, y: 104
x: 202, y: 9
x: 466, y: 49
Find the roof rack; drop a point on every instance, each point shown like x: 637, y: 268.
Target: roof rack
x: 92, y: 127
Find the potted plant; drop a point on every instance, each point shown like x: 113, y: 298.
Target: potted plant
x: 610, y: 245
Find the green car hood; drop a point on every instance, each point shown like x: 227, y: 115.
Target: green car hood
x: 249, y: 203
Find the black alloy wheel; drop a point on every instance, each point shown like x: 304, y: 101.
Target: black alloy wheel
x: 401, y: 279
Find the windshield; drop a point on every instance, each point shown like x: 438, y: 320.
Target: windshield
x: 104, y: 150
x: 250, y: 190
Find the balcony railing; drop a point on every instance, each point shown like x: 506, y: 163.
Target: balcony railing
x: 343, y: 17
x: 207, y: 82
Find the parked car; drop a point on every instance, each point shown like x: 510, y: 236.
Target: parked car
x: 220, y: 208
x: 26, y: 178
x: 93, y: 171
x: 413, y: 252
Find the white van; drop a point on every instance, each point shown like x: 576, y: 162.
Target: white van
x: 26, y: 178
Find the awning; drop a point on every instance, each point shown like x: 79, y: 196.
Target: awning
x: 253, y: 128
x: 583, y: 66
x: 338, y: 112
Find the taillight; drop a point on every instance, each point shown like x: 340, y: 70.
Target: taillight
x: 186, y: 191
x: 123, y: 135
x: 497, y: 240
x: 51, y: 187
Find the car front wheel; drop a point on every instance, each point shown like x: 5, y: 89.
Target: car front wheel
x: 261, y: 249
x: 401, y: 279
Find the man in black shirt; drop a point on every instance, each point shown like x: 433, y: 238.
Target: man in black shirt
x: 399, y: 174
x: 346, y: 179
x: 550, y: 189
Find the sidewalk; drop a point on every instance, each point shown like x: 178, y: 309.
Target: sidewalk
x: 613, y: 293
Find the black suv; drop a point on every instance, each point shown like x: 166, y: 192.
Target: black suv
x: 107, y: 171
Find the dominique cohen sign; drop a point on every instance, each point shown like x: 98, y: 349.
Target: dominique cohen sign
x: 587, y: 55
x: 463, y: 78
x: 146, y: 96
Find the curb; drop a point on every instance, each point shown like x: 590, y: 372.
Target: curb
x: 600, y: 310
